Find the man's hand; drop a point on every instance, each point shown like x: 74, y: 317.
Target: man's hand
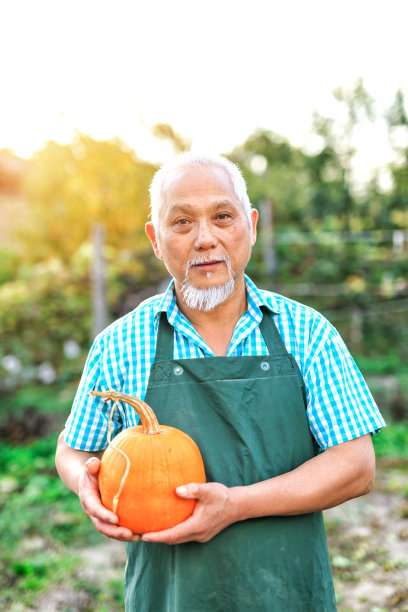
x: 79, y: 471
x: 103, y: 519
x: 212, y: 513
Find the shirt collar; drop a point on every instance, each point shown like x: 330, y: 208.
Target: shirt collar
x: 168, y: 301
x: 258, y: 298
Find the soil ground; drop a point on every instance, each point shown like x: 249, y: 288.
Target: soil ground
x: 368, y: 541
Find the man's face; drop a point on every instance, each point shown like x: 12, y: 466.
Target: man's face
x: 204, y: 235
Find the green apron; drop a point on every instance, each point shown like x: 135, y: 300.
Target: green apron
x: 248, y: 417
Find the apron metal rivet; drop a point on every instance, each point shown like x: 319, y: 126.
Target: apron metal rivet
x: 265, y: 366
x: 178, y: 370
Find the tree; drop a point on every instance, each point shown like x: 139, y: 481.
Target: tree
x: 397, y: 199
x: 164, y: 131
x: 71, y: 187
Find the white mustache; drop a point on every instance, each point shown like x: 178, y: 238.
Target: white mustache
x: 207, y: 259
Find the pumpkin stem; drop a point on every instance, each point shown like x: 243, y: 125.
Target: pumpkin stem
x: 147, y: 417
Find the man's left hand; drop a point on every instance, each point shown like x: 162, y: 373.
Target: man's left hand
x: 212, y: 513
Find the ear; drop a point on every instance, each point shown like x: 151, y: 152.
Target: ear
x: 151, y: 234
x: 254, y: 221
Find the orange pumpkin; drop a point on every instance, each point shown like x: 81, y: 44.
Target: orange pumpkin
x: 142, y: 467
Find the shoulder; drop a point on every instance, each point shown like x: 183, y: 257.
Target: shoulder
x: 305, y: 331
x: 133, y: 325
x: 297, y: 316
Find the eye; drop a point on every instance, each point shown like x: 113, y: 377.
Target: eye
x: 224, y: 216
x: 181, y: 221
x: 181, y: 225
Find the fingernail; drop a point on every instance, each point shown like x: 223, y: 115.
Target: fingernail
x: 181, y: 490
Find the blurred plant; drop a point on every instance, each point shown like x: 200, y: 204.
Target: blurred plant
x: 331, y: 241
x: 9, y: 265
x: 43, y: 527
x: 71, y: 187
x: 45, y: 314
x: 164, y: 131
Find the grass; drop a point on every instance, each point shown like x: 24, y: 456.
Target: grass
x: 42, y: 527
x: 392, y: 441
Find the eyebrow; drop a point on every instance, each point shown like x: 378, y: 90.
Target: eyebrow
x: 187, y: 207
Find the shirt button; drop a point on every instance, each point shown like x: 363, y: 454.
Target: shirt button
x: 178, y: 370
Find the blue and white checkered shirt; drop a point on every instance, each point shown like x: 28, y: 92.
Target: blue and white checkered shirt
x: 339, y: 404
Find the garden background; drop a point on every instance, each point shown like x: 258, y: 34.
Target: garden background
x: 74, y: 256
x: 321, y: 241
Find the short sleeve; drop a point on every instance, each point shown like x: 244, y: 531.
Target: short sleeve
x: 87, y: 425
x: 339, y: 404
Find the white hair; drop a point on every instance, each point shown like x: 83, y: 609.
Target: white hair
x: 182, y: 161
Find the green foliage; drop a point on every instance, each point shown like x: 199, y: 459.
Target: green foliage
x: 42, y: 311
x: 34, y: 501
x: 24, y: 580
x: 392, y: 442
x: 10, y: 262
x: 39, y: 518
x: 49, y: 304
x: 56, y: 398
x: 71, y: 187
x: 387, y: 364
x: 306, y: 192
x: 333, y: 246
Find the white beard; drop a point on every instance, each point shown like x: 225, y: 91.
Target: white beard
x: 207, y: 298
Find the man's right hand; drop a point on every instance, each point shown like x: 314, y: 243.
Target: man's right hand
x: 79, y: 471
x: 103, y: 519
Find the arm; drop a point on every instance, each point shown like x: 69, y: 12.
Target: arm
x: 79, y: 472
x: 338, y: 474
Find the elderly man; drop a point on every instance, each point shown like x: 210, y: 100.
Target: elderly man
x: 264, y: 385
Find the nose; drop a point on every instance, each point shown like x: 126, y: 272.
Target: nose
x: 205, y: 238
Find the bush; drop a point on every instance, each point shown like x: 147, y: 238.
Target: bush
x: 46, y: 317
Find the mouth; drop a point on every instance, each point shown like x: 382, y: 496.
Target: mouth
x: 205, y: 264
x: 208, y: 265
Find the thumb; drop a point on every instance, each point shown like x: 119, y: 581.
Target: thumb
x: 92, y: 466
x: 189, y: 491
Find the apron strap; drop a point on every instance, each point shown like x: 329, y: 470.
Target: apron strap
x: 269, y: 331
x: 165, y: 339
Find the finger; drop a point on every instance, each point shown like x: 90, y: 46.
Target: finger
x: 93, y: 507
x: 115, y: 532
x: 93, y: 465
x: 190, y: 491
x: 179, y: 534
x: 90, y: 496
